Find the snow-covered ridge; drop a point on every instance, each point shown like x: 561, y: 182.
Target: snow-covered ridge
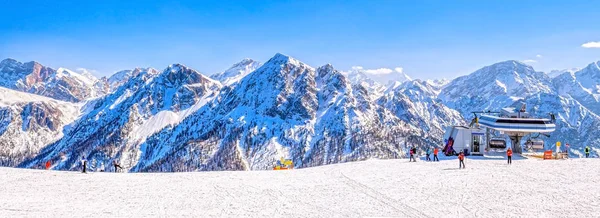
x: 236, y: 72
x: 143, y: 105
x: 86, y: 80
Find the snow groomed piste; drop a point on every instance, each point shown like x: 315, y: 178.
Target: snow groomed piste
x: 373, y: 188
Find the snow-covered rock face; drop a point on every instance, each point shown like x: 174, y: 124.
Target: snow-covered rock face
x: 416, y: 103
x: 498, y: 84
x: 236, y: 72
x: 106, y: 85
x: 29, y: 122
x: 32, y: 77
x: 589, y: 77
x: 583, y: 86
x: 116, y: 124
x: 357, y: 76
x: 555, y: 73
x: 285, y: 109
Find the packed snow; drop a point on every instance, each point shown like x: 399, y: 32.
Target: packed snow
x: 390, y: 188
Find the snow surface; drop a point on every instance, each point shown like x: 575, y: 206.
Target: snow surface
x: 487, y: 188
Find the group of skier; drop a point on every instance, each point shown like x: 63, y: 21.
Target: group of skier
x: 413, y: 154
x: 84, y: 166
x: 461, y: 155
x: 428, y: 152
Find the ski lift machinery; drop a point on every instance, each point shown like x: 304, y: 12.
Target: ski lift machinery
x: 515, y: 123
x: 534, y: 143
x: 493, y: 142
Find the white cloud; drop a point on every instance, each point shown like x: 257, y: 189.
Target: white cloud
x: 538, y: 56
x: 529, y: 61
x: 83, y: 70
x: 379, y: 71
x: 591, y: 45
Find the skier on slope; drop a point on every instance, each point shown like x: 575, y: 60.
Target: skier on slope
x: 102, y: 167
x: 83, y: 164
x: 509, y: 155
x: 461, y: 159
x: 428, y: 152
x: 587, y: 151
x: 117, y: 166
x: 435, y: 153
x: 414, y: 150
x: 412, y: 155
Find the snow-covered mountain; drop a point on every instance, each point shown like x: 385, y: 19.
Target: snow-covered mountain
x: 589, y: 77
x: 570, y: 85
x: 28, y: 122
x: 32, y: 77
x: 116, y: 124
x: 106, y: 85
x: 496, y: 85
x: 555, y: 73
x: 181, y: 120
x: 416, y: 102
x: 286, y: 109
x: 357, y: 76
x: 237, y: 72
x: 583, y: 86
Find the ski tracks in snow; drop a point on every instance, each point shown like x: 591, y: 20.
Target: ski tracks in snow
x: 382, y: 198
x: 381, y: 188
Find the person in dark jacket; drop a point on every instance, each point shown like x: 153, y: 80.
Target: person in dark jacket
x: 587, y: 151
x: 84, y: 164
x: 117, y: 166
x: 414, y: 152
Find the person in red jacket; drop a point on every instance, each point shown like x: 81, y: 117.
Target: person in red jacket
x: 435, y: 152
x: 461, y: 159
x: 509, y: 155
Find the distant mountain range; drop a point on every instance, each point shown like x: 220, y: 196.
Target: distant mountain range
x: 252, y: 114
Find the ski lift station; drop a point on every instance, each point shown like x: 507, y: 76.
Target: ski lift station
x: 489, y: 132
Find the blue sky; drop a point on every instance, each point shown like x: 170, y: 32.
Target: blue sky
x: 427, y: 39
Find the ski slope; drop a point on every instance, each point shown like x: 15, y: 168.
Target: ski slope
x: 487, y: 188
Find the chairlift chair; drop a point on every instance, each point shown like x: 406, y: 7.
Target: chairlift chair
x: 497, y: 143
